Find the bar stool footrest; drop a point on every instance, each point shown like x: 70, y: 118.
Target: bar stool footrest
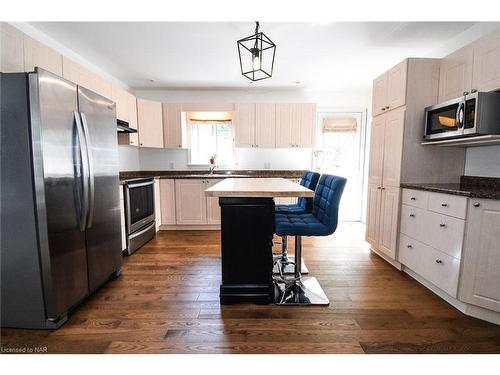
x: 307, y: 291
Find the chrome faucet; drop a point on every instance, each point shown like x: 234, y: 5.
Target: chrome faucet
x: 212, y: 168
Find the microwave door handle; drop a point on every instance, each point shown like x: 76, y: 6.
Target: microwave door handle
x: 460, y: 115
x: 85, y: 172
x: 90, y: 161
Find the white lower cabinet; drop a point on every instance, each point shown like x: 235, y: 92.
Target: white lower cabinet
x: 167, y: 199
x: 190, y: 202
x: 480, y: 281
x: 213, y: 208
x: 430, y: 243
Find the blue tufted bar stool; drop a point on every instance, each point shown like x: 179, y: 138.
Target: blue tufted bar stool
x: 322, y: 221
x: 284, y: 263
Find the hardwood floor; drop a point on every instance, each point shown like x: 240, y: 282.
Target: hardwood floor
x: 166, y: 301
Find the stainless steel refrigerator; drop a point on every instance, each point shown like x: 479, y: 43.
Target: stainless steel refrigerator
x: 60, y: 214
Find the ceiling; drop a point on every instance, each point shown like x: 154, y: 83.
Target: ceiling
x: 332, y: 56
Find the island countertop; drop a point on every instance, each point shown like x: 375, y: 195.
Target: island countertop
x: 258, y: 188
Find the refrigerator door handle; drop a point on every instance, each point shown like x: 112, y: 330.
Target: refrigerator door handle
x: 85, y: 172
x: 90, y: 214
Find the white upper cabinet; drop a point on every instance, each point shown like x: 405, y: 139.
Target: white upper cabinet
x: 244, y: 124
x: 82, y: 76
x: 396, y: 85
x: 295, y: 125
x: 287, y: 124
x: 480, y: 279
x: 172, y: 125
x: 389, y: 89
x: 379, y: 99
x: 150, y: 123
x: 119, y: 96
x: 265, y: 125
x: 38, y: 54
x: 486, y: 72
x: 11, y: 51
x: 455, y: 74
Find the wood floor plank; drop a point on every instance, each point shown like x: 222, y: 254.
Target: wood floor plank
x: 166, y: 301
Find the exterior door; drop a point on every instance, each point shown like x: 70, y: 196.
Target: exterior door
x: 58, y: 146
x: 104, y: 254
x: 373, y: 215
x: 480, y: 279
x: 389, y: 210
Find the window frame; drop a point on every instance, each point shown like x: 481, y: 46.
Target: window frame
x: 189, y: 130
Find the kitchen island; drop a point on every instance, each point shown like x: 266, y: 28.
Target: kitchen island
x: 247, y: 230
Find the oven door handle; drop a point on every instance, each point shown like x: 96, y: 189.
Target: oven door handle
x: 142, y: 231
x: 139, y: 184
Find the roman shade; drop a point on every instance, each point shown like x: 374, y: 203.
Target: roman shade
x: 340, y: 124
x: 208, y: 117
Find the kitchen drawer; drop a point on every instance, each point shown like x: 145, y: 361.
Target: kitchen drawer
x: 410, y: 253
x: 433, y: 265
x: 412, y: 221
x: 415, y: 198
x: 444, y: 233
x: 447, y: 204
x: 441, y: 269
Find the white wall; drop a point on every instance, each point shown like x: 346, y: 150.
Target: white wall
x: 483, y: 161
x: 246, y: 158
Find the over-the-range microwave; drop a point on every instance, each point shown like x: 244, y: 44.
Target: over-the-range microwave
x: 473, y: 114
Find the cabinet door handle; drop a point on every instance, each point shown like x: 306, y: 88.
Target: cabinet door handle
x: 465, y: 93
x: 383, y: 188
x: 477, y: 204
x: 412, y: 215
x: 439, y: 261
x: 379, y: 187
x: 180, y: 146
x: 383, y: 108
x: 444, y: 204
x: 409, y: 246
x: 413, y: 198
x: 387, y: 107
x: 442, y: 225
x: 473, y: 91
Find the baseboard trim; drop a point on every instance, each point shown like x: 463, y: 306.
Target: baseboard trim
x: 392, y: 262
x: 189, y: 227
x: 467, y: 309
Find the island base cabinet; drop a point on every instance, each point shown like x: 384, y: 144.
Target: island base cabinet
x: 480, y: 279
x: 247, y: 228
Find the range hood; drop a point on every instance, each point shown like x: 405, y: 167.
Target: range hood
x: 122, y: 127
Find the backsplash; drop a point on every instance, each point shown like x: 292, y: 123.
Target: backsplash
x: 147, y: 159
x: 483, y: 161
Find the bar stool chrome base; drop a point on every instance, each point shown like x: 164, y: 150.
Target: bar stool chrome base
x: 306, y: 291
x: 288, y: 269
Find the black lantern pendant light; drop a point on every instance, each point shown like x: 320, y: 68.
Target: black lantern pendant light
x: 256, y: 55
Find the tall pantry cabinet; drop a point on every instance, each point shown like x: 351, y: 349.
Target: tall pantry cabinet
x: 396, y: 154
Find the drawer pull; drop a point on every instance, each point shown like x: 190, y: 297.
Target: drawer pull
x: 439, y: 261
x: 413, y: 198
x: 412, y: 215
x: 477, y: 204
x: 442, y: 225
x: 444, y: 204
x: 409, y: 246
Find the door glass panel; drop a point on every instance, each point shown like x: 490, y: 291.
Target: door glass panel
x: 141, y: 203
x: 443, y: 119
x: 470, y: 113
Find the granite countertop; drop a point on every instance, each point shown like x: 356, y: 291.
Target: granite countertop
x: 469, y: 186
x: 204, y: 174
